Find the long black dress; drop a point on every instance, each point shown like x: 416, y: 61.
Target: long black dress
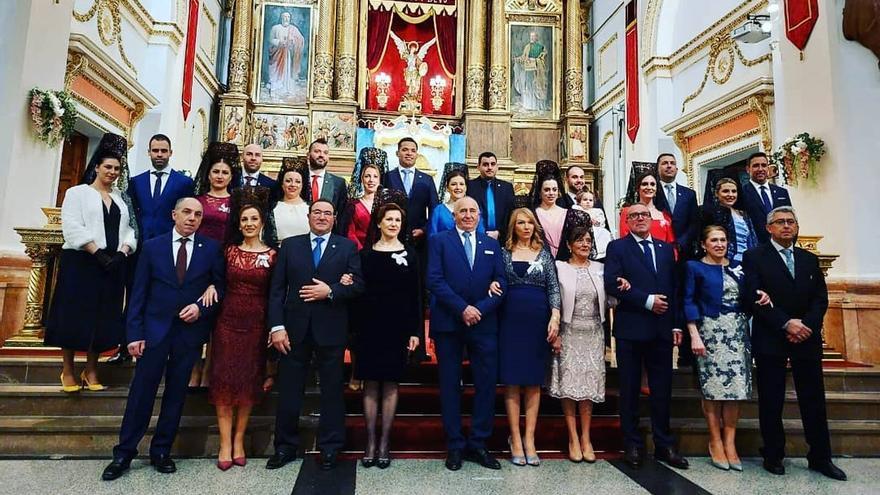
x: 86, y: 310
x: 387, y: 314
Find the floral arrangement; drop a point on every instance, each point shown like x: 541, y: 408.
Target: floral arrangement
x: 798, y: 158
x: 53, y: 115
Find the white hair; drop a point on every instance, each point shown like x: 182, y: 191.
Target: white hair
x: 781, y: 209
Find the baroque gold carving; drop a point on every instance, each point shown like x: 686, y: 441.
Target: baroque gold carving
x: 323, y: 76
x: 240, y: 52
x: 76, y: 64
x: 498, y: 88
x: 87, y: 16
x: 723, y: 52
x: 574, y: 90
x: 758, y: 104
x: 238, y: 67
x: 539, y: 6
x: 136, y: 115
x: 109, y: 26
x: 346, y: 75
x: 534, y: 19
x: 475, y: 80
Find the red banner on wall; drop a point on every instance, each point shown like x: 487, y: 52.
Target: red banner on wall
x: 800, y: 18
x: 632, y: 72
x: 189, y: 58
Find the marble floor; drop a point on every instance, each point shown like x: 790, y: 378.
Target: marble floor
x: 428, y: 477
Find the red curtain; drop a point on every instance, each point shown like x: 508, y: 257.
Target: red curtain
x: 379, y: 22
x: 189, y: 57
x: 446, y: 27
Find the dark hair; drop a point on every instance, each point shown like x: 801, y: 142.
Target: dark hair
x: 407, y: 140
x: 661, y: 155
x: 236, y: 236
x: 384, y: 209
x: 579, y: 232
x: 486, y: 154
x: 452, y: 174
x: 581, y: 195
x: 303, y: 191
x: 704, y: 234
x: 323, y: 201
x: 757, y: 154
x: 568, y: 170
x: 101, y: 155
x: 160, y: 137
x: 659, y: 198
x: 320, y: 140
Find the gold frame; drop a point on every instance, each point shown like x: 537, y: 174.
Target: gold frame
x: 552, y: 22
x: 257, y: 49
x: 364, y: 73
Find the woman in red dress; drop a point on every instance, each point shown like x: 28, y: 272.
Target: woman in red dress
x: 362, y: 208
x: 238, y: 344
x: 661, y: 219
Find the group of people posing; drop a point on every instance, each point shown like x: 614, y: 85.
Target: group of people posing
x: 281, y: 275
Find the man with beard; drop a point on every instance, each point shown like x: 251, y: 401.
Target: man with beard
x: 252, y: 158
x: 575, y: 180
x: 495, y: 196
x: 153, y: 194
x: 323, y: 184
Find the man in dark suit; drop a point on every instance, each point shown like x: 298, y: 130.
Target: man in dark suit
x: 789, y: 330
x: 760, y: 196
x: 462, y: 263
x: 323, y: 184
x: 252, y: 159
x: 167, y: 325
x: 682, y: 203
x: 493, y: 195
x: 308, y: 315
x: 646, y: 325
x: 153, y: 195
x: 418, y: 186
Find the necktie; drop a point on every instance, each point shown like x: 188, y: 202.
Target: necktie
x: 766, y: 200
x: 157, y: 187
x: 407, y: 180
x: 315, y: 193
x: 316, y: 253
x: 468, y: 248
x: 490, y: 206
x: 180, y: 265
x: 789, y: 260
x: 670, y: 197
x: 649, y: 258
x: 252, y: 181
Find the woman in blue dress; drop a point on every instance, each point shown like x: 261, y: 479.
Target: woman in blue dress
x: 724, y: 210
x: 715, y: 309
x: 455, y: 177
x: 529, y: 321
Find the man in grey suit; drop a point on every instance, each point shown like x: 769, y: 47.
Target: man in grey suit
x: 323, y: 184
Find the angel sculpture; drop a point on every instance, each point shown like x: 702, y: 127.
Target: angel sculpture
x: 416, y: 67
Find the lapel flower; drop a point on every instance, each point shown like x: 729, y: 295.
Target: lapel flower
x: 400, y: 258
x: 535, y: 267
x: 736, y: 272
x: 224, y: 208
x: 263, y: 260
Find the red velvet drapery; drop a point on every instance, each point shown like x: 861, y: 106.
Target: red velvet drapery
x: 379, y: 23
x: 446, y: 37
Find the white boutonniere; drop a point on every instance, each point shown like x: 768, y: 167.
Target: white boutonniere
x: 400, y: 258
x: 535, y: 267
x: 224, y: 208
x: 263, y: 260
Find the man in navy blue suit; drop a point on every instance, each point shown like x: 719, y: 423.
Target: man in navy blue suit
x: 252, y: 160
x: 647, y: 324
x: 418, y: 186
x: 153, y: 194
x: 167, y: 325
x: 760, y: 196
x: 462, y: 264
x: 493, y: 195
x: 682, y: 203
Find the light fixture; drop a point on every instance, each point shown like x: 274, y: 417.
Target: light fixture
x: 756, y: 29
x: 383, y: 81
x: 438, y: 86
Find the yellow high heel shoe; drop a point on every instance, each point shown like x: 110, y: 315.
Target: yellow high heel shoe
x: 69, y: 389
x: 92, y: 387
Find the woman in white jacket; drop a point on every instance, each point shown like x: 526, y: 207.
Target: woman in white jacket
x: 86, y: 312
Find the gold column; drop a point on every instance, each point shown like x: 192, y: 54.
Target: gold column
x: 574, y: 79
x: 475, y: 74
x: 322, y: 85
x: 240, y: 53
x: 346, y: 51
x: 498, y: 59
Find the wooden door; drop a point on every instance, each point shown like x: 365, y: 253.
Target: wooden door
x: 73, y: 163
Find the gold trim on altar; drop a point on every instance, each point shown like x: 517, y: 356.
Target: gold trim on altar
x: 415, y: 12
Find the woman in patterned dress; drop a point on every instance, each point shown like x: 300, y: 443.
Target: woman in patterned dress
x: 719, y: 329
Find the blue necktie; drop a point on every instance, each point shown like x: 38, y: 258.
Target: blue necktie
x: 316, y: 253
x: 649, y: 258
x: 407, y: 180
x: 468, y: 248
x: 490, y: 206
x: 766, y: 200
x: 157, y: 188
x: 789, y: 260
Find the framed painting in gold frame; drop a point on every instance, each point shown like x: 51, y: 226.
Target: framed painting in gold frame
x: 535, y: 68
x: 284, y: 52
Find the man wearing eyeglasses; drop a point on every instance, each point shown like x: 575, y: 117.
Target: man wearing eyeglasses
x: 308, y: 315
x: 647, y: 323
x: 789, y: 330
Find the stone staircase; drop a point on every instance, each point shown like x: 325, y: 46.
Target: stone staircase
x: 36, y: 418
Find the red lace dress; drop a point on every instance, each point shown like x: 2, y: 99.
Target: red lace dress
x: 215, y: 217
x: 238, y: 344
x: 360, y: 223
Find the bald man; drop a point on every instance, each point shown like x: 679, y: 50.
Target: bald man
x: 252, y: 158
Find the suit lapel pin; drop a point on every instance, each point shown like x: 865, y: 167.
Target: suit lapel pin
x: 200, y: 244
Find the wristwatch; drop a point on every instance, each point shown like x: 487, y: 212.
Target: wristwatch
x: 330, y: 295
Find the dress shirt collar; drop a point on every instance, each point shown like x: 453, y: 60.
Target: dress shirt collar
x: 319, y: 172
x: 165, y: 171
x: 461, y: 232
x: 758, y: 186
x: 175, y: 236
x: 401, y: 169
x: 640, y: 239
x: 779, y: 247
x: 664, y: 185
x: 313, y: 235
x: 255, y: 175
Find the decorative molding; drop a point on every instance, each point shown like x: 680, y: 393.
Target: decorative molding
x: 76, y: 64
x: 475, y: 81
x: 533, y: 6
x: 205, y: 75
x: 574, y: 90
x: 203, y: 117
x: 544, y: 20
x: 723, y: 53
x: 346, y: 77
x: 760, y: 104
x: 609, y: 99
x: 322, y: 84
x: 212, y: 55
x: 136, y: 115
x: 603, y: 78
x: 498, y: 88
x: 649, y: 30
x: 608, y: 135
x: 99, y: 112
x: 109, y: 28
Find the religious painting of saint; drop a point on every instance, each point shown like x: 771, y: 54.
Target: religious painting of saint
x: 285, y: 54
x: 531, y: 79
x: 232, y: 125
x: 338, y: 128
x: 280, y: 132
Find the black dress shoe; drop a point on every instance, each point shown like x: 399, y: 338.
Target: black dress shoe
x: 383, y: 462
x: 632, y: 456
x: 327, y: 461
x: 115, y: 469
x: 280, y: 459
x: 453, y: 460
x: 828, y: 469
x: 483, y: 458
x: 121, y: 356
x: 163, y: 464
x: 774, y: 466
x: 671, y: 457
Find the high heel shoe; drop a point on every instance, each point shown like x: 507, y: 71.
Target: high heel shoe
x: 575, y: 459
x: 384, y: 460
x: 224, y: 465
x: 240, y: 461
x: 516, y: 460
x: 591, y: 457
x: 721, y: 464
x: 92, y: 387
x: 533, y: 460
x: 69, y: 389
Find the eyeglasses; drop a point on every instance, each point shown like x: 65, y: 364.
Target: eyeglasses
x: 322, y: 213
x: 640, y: 214
x: 784, y: 221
